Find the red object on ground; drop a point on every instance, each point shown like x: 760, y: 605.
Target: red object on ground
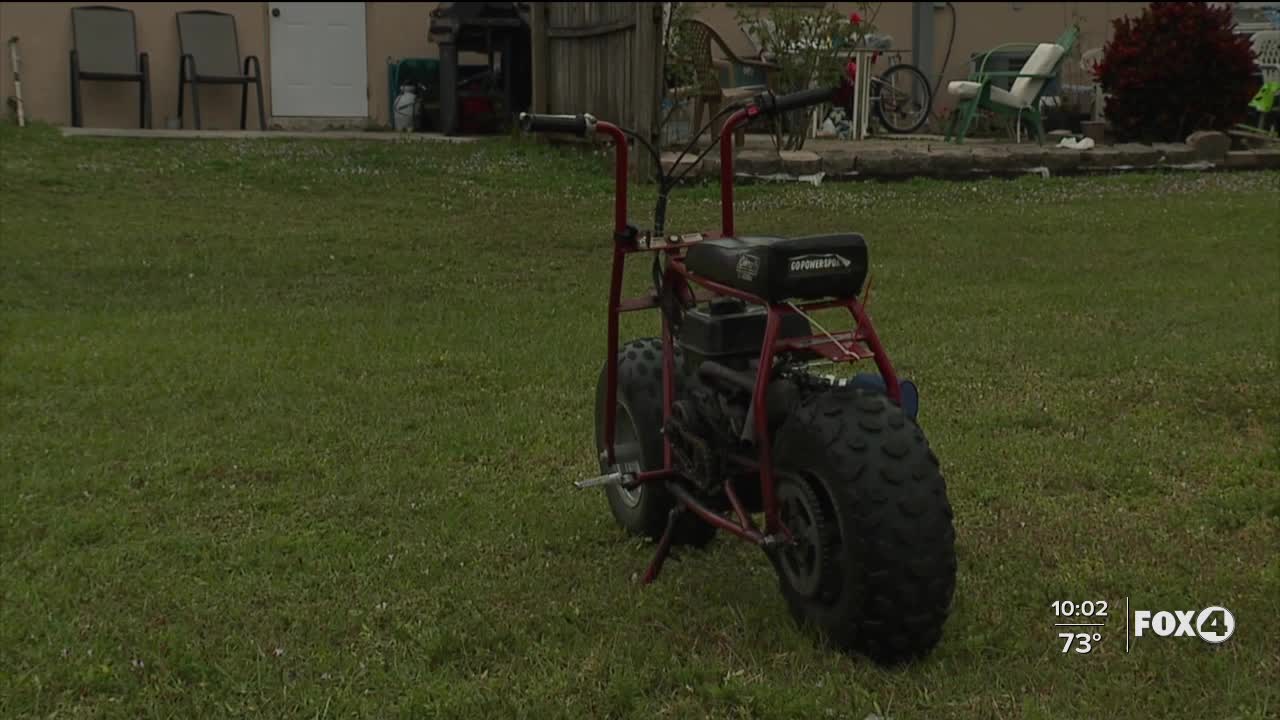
x: 476, y: 113
x: 845, y: 94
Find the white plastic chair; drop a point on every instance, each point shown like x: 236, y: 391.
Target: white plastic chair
x: 1089, y: 61
x: 1266, y: 45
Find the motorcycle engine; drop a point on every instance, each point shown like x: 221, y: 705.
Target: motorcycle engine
x: 721, y: 348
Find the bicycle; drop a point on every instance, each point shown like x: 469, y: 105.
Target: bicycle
x: 901, y: 96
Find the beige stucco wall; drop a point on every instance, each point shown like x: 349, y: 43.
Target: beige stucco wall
x: 396, y: 30
x: 393, y: 30
x: 980, y: 26
x: 44, y: 36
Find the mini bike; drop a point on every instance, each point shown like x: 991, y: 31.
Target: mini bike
x: 722, y: 418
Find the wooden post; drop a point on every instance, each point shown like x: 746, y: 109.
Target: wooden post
x: 539, y: 57
x: 648, y: 81
x: 600, y: 58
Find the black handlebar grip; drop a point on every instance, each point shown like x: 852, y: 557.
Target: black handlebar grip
x: 797, y: 100
x: 575, y: 124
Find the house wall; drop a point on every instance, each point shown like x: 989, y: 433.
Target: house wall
x: 44, y: 38
x: 980, y: 26
x: 393, y: 30
x: 396, y: 30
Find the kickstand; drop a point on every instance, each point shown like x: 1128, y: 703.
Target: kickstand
x: 664, y: 546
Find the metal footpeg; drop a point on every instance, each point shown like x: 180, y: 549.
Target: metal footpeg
x: 613, y: 478
x: 622, y: 474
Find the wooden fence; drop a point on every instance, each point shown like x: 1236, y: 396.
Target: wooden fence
x: 602, y: 58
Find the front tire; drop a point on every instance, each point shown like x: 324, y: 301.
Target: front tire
x: 873, y: 568
x: 643, y: 511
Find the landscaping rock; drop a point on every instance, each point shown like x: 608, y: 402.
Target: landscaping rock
x: 1137, y: 154
x: 1209, y: 145
x: 996, y: 160
x: 892, y: 163
x: 839, y: 162
x: 951, y: 162
x: 1101, y: 158
x: 1126, y: 155
x: 1062, y: 160
x: 757, y: 162
x: 1175, y: 153
x: 1024, y: 157
x: 801, y: 162
x: 1269, y: 159
x: 1241, y: 160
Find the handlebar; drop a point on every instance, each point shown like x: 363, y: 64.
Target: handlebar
x: 573, y: 124
x: 769, y: 103
x: 583, y: 124
x: 765, y: 103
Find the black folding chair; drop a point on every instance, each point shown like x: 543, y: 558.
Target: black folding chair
x: 210, y: 50
x: 105, y: 47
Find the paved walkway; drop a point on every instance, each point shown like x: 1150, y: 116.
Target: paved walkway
x: 261, y: 134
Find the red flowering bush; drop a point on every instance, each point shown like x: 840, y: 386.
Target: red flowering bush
x: 1175, y: 69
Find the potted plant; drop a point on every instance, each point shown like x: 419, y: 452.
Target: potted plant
x: 807, y: 44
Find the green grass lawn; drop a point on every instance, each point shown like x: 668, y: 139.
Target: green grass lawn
x: 288, y: 429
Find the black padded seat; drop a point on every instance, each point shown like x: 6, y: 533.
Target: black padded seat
x: 777, y: 269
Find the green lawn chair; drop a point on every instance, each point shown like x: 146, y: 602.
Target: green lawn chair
x: 1022, y: 100
x: 1265, y: 106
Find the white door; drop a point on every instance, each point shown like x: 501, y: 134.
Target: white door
x: 318, y: 60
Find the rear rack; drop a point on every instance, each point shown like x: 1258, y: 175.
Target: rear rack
x: 645, y: 242
x: 841, y: 346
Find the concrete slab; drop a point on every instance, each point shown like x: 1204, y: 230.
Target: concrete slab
x: 160, y: 134
x: 689, y: 163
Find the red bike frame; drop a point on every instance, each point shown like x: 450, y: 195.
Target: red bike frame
x: 858, y: 343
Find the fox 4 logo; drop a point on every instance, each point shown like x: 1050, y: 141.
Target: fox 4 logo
x: 1212, y: 624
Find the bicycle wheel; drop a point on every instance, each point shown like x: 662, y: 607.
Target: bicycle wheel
x: 903, y: 98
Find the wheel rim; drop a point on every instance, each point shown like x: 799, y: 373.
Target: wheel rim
x: 903, y: 100
x: 900, y: 108
x: 627, y: 450
x: 803, y: 560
